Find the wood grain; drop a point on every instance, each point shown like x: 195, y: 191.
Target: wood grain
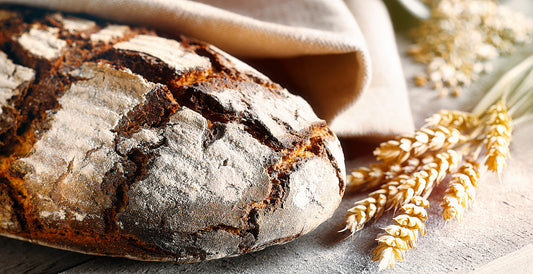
x: 520, y: 261
x: 495, y: 236
x: 23, y: 257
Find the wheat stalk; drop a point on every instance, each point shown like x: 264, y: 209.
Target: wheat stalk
x: 412, y: 165
x: 401, y: 189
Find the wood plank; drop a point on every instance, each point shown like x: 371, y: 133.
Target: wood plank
x: 520, y: 261
x: 23, y: 257
x: 495, y: 235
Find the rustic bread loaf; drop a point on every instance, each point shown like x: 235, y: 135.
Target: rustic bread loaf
x: 116, y: 141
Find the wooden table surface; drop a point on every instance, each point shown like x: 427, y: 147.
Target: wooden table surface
x: 495, y: 236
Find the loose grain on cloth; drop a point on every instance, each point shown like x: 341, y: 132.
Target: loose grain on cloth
x: 317, y: 46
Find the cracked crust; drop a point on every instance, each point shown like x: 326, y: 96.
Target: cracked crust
x: 119, y: 142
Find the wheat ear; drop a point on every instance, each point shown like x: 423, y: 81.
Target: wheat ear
x: 423, y: 181
x: 430, y: 138
x: 461, y: 190
x: 497, y: 137
x: 402, y: 235
x: 365, y: 210
x: 460, y: 120
x: 401, y: 189
x: 364, y: 178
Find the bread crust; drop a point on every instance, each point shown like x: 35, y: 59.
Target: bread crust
x: 116, y: 141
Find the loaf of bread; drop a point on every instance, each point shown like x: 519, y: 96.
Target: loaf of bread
x: 116, y: 141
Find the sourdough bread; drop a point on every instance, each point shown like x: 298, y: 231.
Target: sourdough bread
x: 117, y: 141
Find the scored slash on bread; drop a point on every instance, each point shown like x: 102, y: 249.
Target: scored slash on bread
x: 119, y: 142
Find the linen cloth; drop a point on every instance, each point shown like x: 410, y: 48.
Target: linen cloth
x: 339, y: 55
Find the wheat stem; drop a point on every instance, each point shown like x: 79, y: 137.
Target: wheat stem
x: 503, y: 86
x: 522, y: 120
x: 524, y: 104
x: 517, y: 95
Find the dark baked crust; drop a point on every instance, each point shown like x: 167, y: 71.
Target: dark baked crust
x: 228, y: 103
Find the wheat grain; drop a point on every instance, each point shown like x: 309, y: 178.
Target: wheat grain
x: 423, y: 181
x: 461, y: 36
x: 363, y: 211
x: 461, y: 190
x: 403, y: 235
x: 413, y: 165
x: 460, y: 120
x: 497, y: 137
x: 430, y: 138
x: 401, y: 189
x: 364, y: 178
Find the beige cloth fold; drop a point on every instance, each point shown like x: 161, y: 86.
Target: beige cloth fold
x: 383, y: 109
x: 313, y: 47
